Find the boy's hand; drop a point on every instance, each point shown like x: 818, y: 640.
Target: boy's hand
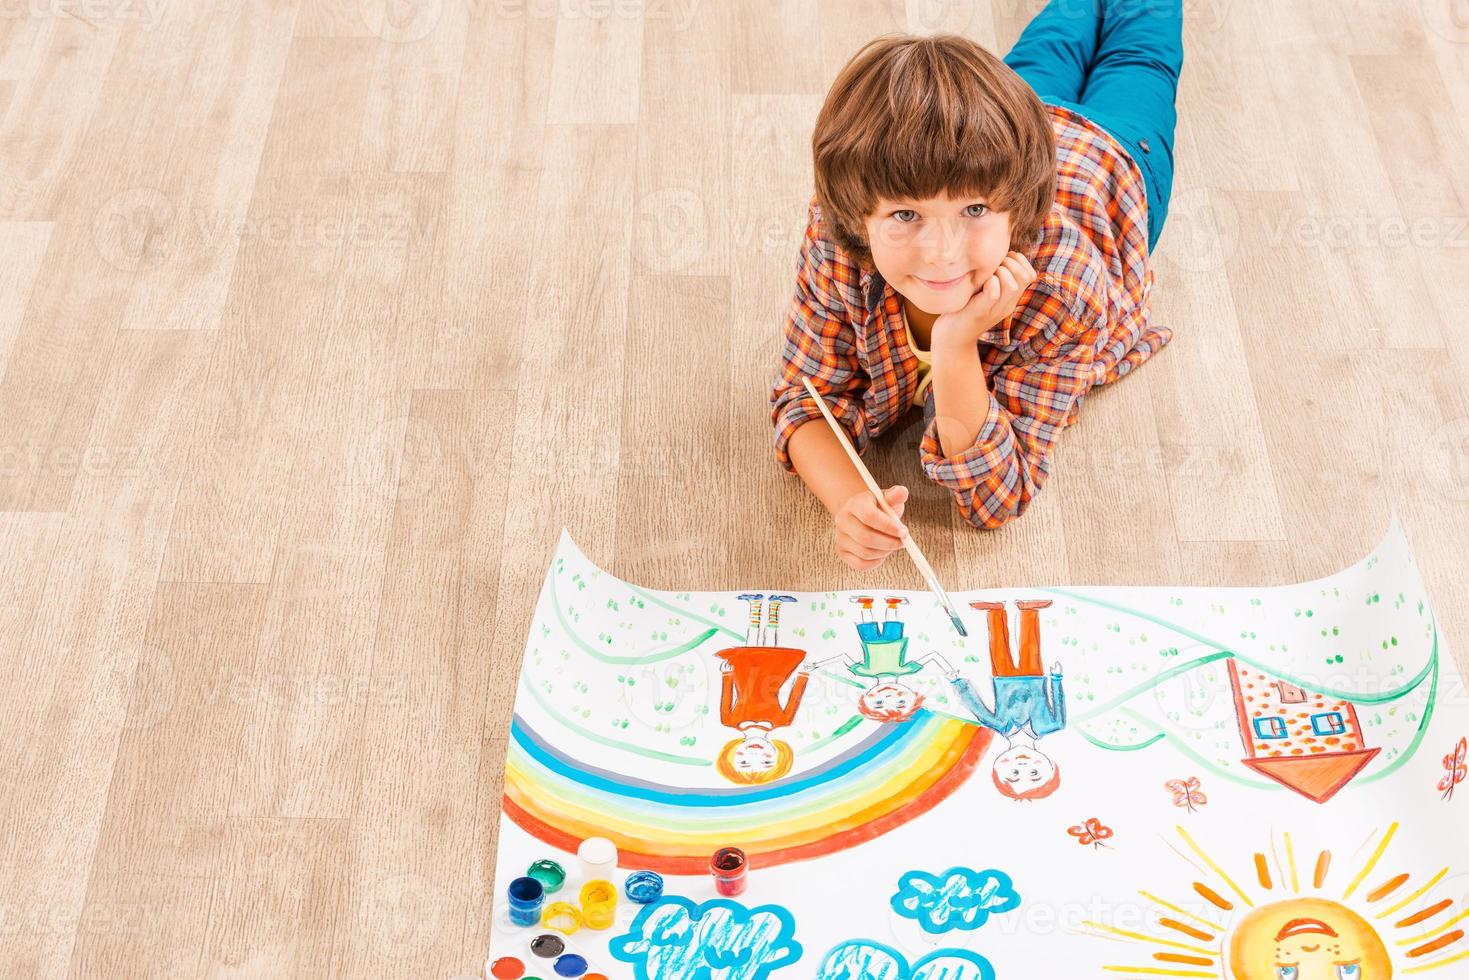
x: 994, y: 301
x: 865, y: 534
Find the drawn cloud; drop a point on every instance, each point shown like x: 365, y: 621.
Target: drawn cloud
x: 674, y: 939
x: 959, y: 898
x: 863, y: 959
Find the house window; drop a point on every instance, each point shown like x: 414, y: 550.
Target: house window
x: 1270, y: 727
x: 1328, y: 723
x: 1289, y: 693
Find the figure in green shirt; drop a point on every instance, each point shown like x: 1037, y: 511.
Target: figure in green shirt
x: 885, y: 662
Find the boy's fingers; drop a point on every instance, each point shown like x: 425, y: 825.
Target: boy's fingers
x: 868, y: 537
x: 884, y: 524
x: 866, y: 553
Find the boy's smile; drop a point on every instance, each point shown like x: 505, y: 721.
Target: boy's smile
x: 937, y: 252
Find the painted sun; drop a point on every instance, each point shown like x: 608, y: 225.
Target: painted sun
x: 1297, y: 918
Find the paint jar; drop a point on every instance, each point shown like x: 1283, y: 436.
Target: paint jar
x: 729, y: 866
x: 564, y: 917
x: 550, y: 874
x: 598, y: 858
x: 643, y: 887
x: 598, y: 904
x: 526, y: 898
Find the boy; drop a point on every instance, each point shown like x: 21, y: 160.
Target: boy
x: 978, y: 249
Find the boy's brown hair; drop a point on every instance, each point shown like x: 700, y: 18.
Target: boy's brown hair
x: 911, y: 116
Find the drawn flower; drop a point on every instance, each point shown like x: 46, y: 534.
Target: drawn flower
x: 1454, y: 762
x: 1092, y: 832
x: 1186, y: 793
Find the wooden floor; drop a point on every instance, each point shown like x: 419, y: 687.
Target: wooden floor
x: 318, y: 321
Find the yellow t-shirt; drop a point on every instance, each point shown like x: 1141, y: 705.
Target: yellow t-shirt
x: 925, y: 364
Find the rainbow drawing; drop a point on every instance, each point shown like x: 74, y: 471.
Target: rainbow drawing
x: 882, y: 782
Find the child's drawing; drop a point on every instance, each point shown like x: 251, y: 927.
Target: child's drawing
x: 1290, y: 911
x: 751, y: 702
x: 806, y: 729
x: 884, y: 664
x: 1029, y: 703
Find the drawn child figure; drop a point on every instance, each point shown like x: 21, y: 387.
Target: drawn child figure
x: 1029, y: 704
x: 885, y: 662
x: 750, y: 700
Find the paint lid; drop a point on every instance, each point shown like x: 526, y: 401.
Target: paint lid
x: 550, y: 874
x: 643, y: 886
x: 597, y: 850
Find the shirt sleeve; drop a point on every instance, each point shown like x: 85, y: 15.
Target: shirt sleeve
x: 1031, y: 402
x: 1055, y: 705
x: 972, y: 701
x: 820, y: 344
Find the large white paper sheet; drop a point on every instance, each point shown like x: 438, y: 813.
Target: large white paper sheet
x: 1252, y: 783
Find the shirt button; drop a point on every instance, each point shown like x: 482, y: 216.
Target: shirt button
x: 1144, y: 144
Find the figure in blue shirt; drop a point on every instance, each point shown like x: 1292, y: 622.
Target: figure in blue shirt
x: 1029, y: 703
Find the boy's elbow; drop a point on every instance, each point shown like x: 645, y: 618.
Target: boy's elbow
x: 988, y: 512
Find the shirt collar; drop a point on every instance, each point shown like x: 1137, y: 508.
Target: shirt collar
x: 875, y: 289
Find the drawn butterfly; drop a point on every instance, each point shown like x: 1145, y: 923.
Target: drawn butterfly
x: 1454, y: 762
x: 1186, y: 793
x: 1092, y: 832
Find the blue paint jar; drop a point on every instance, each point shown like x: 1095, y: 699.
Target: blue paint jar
x: 643, y: 887
x: 527, y: 895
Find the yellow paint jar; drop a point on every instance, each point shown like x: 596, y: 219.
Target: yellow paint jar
x: 598, y: 904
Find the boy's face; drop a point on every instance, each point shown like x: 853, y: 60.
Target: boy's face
x: 1024, y: 768
x: 889, y: 697
x: 917, y: 243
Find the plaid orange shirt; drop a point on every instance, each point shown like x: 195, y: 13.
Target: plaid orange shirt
x: 1084, y: 322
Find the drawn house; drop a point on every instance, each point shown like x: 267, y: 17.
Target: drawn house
x: 1309, y: 742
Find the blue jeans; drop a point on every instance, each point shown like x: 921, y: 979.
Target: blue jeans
x: 1116, y: 62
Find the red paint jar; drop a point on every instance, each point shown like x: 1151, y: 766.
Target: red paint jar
x: 729, y: 867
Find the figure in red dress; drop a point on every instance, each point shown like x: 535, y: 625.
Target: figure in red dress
x: 753, y: 678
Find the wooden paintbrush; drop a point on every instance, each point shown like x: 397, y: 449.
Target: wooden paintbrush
x: 924, y: 568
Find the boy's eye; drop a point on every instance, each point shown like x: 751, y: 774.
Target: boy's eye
x: 899, y: 214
